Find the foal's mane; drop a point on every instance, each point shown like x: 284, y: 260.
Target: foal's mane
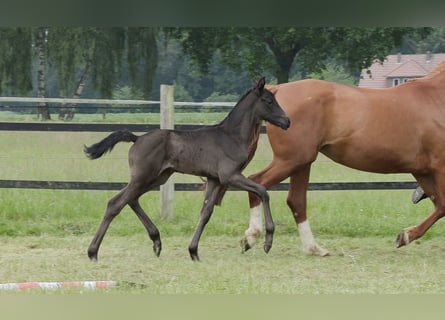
x: 236, y: 105
x: 251, y: 148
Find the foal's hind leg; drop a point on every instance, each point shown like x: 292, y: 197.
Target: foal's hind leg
x: 151, y: 228
x: 129, y: 195
x: 114, y: 207
x: 212, y: 189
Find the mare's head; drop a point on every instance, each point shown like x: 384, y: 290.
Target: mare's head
x: 267, y: 108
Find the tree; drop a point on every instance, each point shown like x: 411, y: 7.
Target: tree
x: 85, y: 52
x: 434, y: 42
x: 15, y: 60
x: 258, y: 50
x: 96, y: 54
x: 142, y: 58
x: 78, y: 56
x: 41, y: 40
x: 175, y: 67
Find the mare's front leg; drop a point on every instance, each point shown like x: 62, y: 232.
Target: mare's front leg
x: 260, y: 191
x: 297, y: 202
x: 273, y: 174
x: 212, y: 190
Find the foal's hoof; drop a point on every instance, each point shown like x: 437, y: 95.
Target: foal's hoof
x: 418, y: 195
x: 92, y: 256
x: 244, y: 245
x: 267, y: 247
x: 194, y: 254
x: 194, y: 257
x: 402, y: 239
x: 157, y: 247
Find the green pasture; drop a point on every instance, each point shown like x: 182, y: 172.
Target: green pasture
x: 45, y: 233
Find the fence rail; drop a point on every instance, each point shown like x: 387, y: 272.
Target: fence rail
x: 81, y: 185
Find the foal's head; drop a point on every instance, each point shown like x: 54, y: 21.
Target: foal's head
x: 267, y: 108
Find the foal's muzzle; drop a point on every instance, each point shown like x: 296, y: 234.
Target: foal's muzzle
x: 285, y: 124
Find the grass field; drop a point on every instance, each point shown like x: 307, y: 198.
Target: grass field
x: 45, y: 233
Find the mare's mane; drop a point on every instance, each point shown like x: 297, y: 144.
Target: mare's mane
x: 438, y: 70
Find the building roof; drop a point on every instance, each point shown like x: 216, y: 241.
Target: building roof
x: 399, y: 66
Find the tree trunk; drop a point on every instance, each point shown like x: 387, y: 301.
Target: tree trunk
x: 43, y: 108
x: 282, y: 74
x: 283, y: 58
x: 79, y: 90
x: 68, y: 112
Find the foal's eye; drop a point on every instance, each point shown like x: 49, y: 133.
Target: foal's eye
x: 267, y: 99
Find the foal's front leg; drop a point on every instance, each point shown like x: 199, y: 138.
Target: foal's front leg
x: 212, y: 190
x: 260, y: 191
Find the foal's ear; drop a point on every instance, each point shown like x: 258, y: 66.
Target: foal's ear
x: 261, y: 83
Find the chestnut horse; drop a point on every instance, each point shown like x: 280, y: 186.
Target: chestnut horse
x: 395, y: 130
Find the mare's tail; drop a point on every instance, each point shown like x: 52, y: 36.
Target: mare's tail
x: 106, y: 145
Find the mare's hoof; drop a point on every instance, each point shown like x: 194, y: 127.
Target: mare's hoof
x: 402, y: 239
x: 316, y: 250
x: 244, y: 245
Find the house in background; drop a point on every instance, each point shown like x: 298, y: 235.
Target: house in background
x: 399, y: 68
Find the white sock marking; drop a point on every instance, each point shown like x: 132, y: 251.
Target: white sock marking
x: 308, y: 240
x: 255, y: 225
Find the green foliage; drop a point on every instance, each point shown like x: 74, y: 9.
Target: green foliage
x: 334, y: 73
x: 142, y: 58
x: 127, y: 93
x: 180, y: 93
x: 68, y: 51
x: 421, y: 44
x: 257, y: 50
x: 15, y: 60
x: 358, y: 48
x: 218, y: 97
x: 201, y: 60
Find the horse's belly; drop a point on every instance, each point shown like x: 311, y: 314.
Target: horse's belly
x: 378, y: 160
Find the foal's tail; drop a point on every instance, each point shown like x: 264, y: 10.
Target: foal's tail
x: 106, y: 145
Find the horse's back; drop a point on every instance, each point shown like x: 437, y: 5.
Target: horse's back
x: 378, y: 130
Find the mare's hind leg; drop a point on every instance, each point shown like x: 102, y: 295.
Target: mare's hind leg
x: 436, y: 190
x: 212, y: 189
x: 297, y: 202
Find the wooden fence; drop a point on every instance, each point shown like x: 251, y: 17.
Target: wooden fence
x: 166, y: 110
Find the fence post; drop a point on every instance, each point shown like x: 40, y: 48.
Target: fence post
x: 167, y: 208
